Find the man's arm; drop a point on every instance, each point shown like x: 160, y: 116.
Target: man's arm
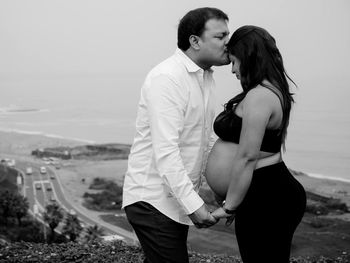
x: 166, y: 103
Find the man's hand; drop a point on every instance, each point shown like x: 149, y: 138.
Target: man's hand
x: 202, y: 218
x: 220, y: 213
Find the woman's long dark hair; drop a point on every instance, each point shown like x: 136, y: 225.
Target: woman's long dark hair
x: 260, y: 60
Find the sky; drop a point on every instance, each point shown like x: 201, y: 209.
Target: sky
x: 111, y: 37
x: 101, y: 51
x: 123, y: 40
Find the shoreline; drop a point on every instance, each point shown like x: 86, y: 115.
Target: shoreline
x: 78, y: 141
x: 48, y: 135
x: 321, y: 176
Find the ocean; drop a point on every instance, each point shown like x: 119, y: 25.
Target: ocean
x: 102, y: 110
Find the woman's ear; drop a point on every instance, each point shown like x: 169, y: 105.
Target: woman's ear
x: 194, y: 42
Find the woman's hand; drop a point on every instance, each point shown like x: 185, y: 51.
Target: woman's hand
x: 202, y: 218
x: 220, y: 213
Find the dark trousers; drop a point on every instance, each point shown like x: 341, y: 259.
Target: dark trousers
x: 269, y: 214
x: 162, y: 239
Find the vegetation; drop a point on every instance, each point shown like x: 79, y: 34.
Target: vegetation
x: 20, y: 207
x: 93, y: 233
x: 321, y: 205
x: 13, y: 205
x: 114, y: 252
x: 17, y: 225
x: 29, y: 231
x: 110, y: 151
x: 110, y: 197
x: 72, y: 227
x: 8, y: 178
x: 53, y: 216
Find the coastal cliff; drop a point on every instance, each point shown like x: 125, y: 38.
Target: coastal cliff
x: 94, y: 152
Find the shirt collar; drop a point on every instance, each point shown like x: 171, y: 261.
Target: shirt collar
x: 189, y: 64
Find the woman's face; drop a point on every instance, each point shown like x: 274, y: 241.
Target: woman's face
x: 235, y: 66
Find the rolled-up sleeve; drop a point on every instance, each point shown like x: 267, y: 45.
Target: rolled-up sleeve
x: 166, y: 106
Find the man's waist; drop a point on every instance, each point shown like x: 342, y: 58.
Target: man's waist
x: 168, y: 206
x: 154, y: 186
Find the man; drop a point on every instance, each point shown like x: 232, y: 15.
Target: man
x: 171, y: 145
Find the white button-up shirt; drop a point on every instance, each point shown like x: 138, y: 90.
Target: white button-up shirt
x: 173, y: 138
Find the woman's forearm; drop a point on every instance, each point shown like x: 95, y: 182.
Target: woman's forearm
x: 241, y: 176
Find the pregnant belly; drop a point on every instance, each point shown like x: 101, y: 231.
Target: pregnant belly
x: 219, y: 166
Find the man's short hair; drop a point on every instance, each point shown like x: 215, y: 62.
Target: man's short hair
x: 193, y: 23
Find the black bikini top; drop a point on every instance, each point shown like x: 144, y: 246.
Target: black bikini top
x: 228, y: 125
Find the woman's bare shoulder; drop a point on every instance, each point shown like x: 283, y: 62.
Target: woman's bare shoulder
x: 264, y: 95
x: 260, y: 93
x: 261, y: 99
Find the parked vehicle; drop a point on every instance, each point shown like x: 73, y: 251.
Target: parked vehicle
x: 46, y: 160
x: 72, y: 212
x: 29, y: 170
x: 11, y: 163
x: 38, y: 186
x: 43, y: 170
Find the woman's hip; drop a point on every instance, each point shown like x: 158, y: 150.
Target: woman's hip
x: 274, y: 186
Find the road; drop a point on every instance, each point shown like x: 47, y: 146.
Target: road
x: 43, y: 188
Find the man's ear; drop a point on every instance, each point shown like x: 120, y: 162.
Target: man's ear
x: 194, y: 42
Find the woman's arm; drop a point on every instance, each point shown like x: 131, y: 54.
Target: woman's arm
x: 256, y: 113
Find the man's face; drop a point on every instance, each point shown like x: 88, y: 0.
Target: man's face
x: 213, y: 43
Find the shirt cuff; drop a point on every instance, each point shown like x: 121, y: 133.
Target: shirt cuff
x: 192, y: 202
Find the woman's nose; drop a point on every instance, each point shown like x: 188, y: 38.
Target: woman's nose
x: 227, y: 39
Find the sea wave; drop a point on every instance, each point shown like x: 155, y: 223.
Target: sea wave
x: 17, y: 110
x: 55, y: 136
x: 321, y: 176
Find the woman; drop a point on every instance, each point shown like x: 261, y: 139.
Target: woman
x: 245, y: 166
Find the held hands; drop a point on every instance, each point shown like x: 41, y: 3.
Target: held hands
x: 220, y: 213
x: 202, y: 218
